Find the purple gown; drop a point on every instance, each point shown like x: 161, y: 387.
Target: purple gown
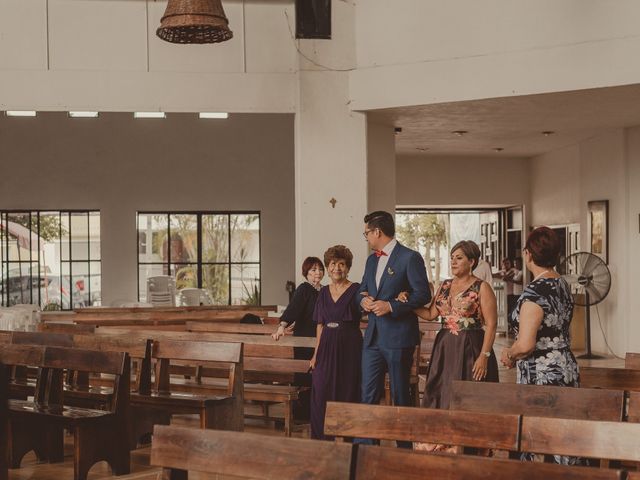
x: 337, y: 374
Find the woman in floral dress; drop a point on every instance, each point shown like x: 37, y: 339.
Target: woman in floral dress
x: 541, y: 321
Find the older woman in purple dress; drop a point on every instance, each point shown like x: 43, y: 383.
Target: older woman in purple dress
x: 336, y: 361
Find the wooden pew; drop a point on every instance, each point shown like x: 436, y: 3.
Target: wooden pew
x: 383, y: 462
x: 38, y: 425
x: 176, y: 316
x: 265, y: 360
x: 246, y: 455
x: 430, y: 332
x: 632, y: 360
x: 633, y: 408
x: 538, y: 400
x: 581, y: 438
x: 139, y: 350
x: 222, y: 408
x: 58, y: 327
x: 469, y: 429
x: 229, y: 327
x: 611, y: 378
x: 4, y: 418
x: 192, y: 308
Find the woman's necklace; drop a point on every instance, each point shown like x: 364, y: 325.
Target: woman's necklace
x: 540, y: 275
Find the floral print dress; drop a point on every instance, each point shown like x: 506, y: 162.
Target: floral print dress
x: 552, y: 362
x: 457, y: 345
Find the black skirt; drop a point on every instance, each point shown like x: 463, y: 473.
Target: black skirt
x: 452, y: 359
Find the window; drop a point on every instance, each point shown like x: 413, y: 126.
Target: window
x: 216, y: 251
x: 434, y: 232
x: 50, y: 258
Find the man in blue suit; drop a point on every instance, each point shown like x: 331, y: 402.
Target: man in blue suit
x: 392, y: 332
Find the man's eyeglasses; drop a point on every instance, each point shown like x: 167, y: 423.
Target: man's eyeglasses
x: 366, y: 233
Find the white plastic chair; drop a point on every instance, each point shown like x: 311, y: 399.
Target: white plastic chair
x: 189, y: 297
x: 161, y: 291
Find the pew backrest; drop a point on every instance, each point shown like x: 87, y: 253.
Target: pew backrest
x: 633, y: 408
x: 200, y: 354
x: 58, y: 327
x: 228, y: 327
x: 611, y: 378
x: 470, y: 429
x: 538, y: 400
x: 632, y: 360
x: 384, y: 462
x: 247, y: 455
x: 581, y: 438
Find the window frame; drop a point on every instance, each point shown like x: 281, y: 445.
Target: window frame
x: 5, y: 215
x: 199, y: 262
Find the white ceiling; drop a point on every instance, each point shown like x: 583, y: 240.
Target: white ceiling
x: 512, y: 123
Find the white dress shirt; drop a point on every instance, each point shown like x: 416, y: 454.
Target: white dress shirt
x: 483, y: 272
x: 384, y: 259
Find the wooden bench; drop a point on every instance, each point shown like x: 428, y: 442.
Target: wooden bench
x: 175, y: 316
x: 58, y: 327
x: 581, y: 438
x: 246, y: 455
x: 229, y: 327
x: 632, y: 360
x: 538, y: 400
x: 429, y: 333
x: 383, y: 462
x: 222, y: 408
x: 268, y: 373
x: 180, y: 450
x: 633, y: 407
x: 38, y: 425
x: 93, y: 392
x: 611, y: 378
x: 468, y: 429
x: 4, y: 419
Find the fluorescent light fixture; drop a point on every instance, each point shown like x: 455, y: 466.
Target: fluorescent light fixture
x: 149, y: 115
x: 83, y: 114
x: 21, y: 113
x: 214, y: 115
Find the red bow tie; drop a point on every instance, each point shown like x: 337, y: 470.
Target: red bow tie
x: 380, y: 253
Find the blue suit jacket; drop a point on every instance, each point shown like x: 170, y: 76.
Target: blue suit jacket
x: 405, y: 272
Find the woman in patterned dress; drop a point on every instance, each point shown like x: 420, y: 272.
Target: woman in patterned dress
x: 541, y: 321
x: 463, y: 349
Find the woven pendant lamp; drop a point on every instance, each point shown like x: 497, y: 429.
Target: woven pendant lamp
x: 194, y: 21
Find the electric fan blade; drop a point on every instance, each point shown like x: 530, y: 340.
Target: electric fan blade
x: 591, y: 263
x: 571, y: 278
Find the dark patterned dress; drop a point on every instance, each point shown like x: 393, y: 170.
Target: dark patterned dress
x: 337, y: 374
x: 457, y: 345
x: 551, y: 362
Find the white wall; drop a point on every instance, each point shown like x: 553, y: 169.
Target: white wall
x: 104, y: 55
x: 600, y: 168
x: 413, y: 52
x: 555, y: 187
x: 461, y: 181
x: 120, y: 165
x: 381, y: 168
x: 632, y: 253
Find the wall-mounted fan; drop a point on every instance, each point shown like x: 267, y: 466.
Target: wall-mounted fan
x: 586, y: 274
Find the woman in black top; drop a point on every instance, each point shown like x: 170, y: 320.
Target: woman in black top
x: 298, y: 317
x: 300, y: 309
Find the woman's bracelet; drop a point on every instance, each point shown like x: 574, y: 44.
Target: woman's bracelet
x: 283, y: 324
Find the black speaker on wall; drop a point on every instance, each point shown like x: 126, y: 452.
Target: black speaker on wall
x: 313, y: 19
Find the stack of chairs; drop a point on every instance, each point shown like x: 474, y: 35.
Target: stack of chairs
x: 161, y: 291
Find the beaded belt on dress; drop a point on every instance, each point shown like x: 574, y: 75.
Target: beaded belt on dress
x: 332, y: 325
